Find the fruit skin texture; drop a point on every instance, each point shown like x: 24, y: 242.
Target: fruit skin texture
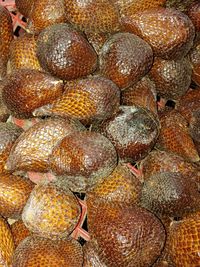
x: 37, y: 251
x: 93, y: 16
x: 165, y: 23
x: 6, y: 36
x: 19, y: 232
x: 51, y: 211
x: 32, y: 149
x: 194, y: 56
x: 127, y: 236
x: 65, y: 53
x: 25, y: 7
x: 193, y: 13
x: 125, y: 58
x: 6, y: 244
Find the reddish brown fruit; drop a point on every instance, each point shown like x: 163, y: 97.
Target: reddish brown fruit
x: 175, y: 136
x: 126, y: 236
x: 25, y: 90
x: 51, y: 211
x: 93, y: 15
x: 14, y: 192
x: 32, y: 149
x: 172, y: 78
x: 133, y: 132
x: 37, y: 251
x: 193, y: 13
x: 19, y: 232
x: 164, y: 22
x: 25, y: 7
x: 6, y: 36
x: 97, y: 40
x: 86, y: 154
x: 125, y: 58
x: 142, y: 94
x: 194, y: 56
x: 65, y: 53
x: 8, y: 135
x: 23, y: 53
x: 91, y: 99
x: 6, y: 244
x: 194, y: 129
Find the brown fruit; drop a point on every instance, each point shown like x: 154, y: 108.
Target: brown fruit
x: 133, y: 132
x: 14, y: 192
x: 86, y: 154
x: 23, y: 53
x: 9, y: 132
x: 194, y: 129
x: 25, y: 7
x: 4, y: 112
x: 19, y: 232
x: 32, y: 149
x: 169, y: 193
x: 172, y: 78
x: 194, y: 56
x: 6, y: 244
x: 93, y: 15
x: 175, y: 136
x: 125, y: 58
x: 65, y: 53
x: 36, y: 251
x: 51, y: 211
x: 46, y: 13
x: 6, y: 36
x: 185, y: 241
x: 127, y: 236
x: 193, y: 13
x: 97, y: 40
x: 91, y: 99
x: 165, y: 23
x: 142, y: 94
x: 25, y: 90
x: 179, y: 4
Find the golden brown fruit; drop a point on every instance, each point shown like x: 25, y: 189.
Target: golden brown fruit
x: 142, y: 94
x: 175, y: 136
x: 93, y: 15
x: 172, y: 78
x: 4, y: 112
x: 194, y: 56
x: 185, y: 241
x: 6, y: 244
x: 46, y: 13
x: 125, y: 58
x: 51, y: 211
x: 36, y: 251
x: 65, y: 53
x: 9, y: 132
x: 6, y: 36
x: 25, y: 7
x: 32, y: 149
x: 23, y: 53
x: 91, y: 99
x: 194, y: 129
x: 127, y: 236
x: 133, y: 132
x: 19, y: 231
x: 171, y: 194
x: 14, y: 192
x: 86, y: 154
x: 165, y: 23
x: 193, y: 13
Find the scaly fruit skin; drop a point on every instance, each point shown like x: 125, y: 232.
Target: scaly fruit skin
x: 142, y: 94
x: 4, y: 112
x: 125, y: 58
x: 193, y: 13
x: 184, y: 241
x: 91, y: 100
x: 84, y: 154
x: 37, y: 251
x: 25, y: 7
x: 93, y: 15
x: 127, y: 236
x: 164, y: 22
x: 32, y: 149
x: 194, y: 56
x: 194, y: 129
x: 9, y: 132
x: 97, y: 40
x: 133, y: 132
x: 23, y: 53
x: 25, y: 90
x: 46, y: 13
x: 172, y: 78
x: 14, y: 192
x: 65, y: 53
x: 51, y: 211
x: 7, y: 246
x: 19, y: 232
x: 6, y: 36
